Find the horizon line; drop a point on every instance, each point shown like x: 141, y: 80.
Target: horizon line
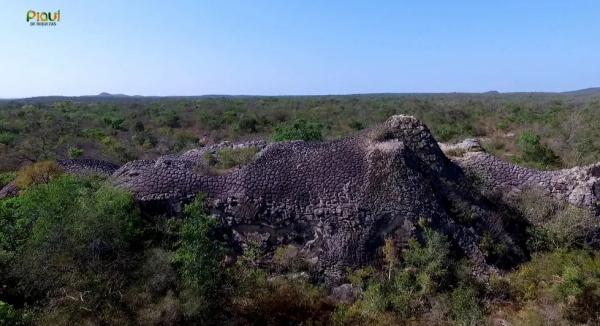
x: 116, y: 95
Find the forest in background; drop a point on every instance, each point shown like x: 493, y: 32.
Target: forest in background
x: 121, y: 129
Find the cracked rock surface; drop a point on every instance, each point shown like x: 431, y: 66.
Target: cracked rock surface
x: 580, y: 186
x: 337, y: 201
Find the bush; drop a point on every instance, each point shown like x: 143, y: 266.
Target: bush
x: 6, y: 178
x: 138, y: 127
x: 248, y: 124
x: 7, y: 138
x: 465, y: 306
x: 230, y: 158
x: 37, y: 173
x: 536, y: 153
x: 424, y: 273
x: 69, y: 238
x: 198, y: 259
x: 430, y: 261
x: 9, y: 316
x: 75, y: 152
x: 555, y: 223
x: 298, y: 130
x: 567, y: 278
x: 356, y: 125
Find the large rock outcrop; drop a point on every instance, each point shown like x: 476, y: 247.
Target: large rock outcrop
x: 336, y: 200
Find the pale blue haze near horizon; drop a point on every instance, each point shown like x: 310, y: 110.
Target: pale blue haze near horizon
x: 299, y: 47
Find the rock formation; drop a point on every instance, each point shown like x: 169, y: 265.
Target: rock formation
x: 580, y: 186
x: 337, y: 201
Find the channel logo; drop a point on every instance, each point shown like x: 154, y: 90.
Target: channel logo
x: 41, y: 18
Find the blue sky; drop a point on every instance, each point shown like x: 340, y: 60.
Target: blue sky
x: 299, y: 47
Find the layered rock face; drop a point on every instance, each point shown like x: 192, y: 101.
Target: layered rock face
x: 580, y: 186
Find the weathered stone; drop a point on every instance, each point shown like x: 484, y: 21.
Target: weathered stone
x: 335, y: 200
x: 578, y: 185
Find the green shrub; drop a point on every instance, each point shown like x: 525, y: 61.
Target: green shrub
x: 198, y: 259
x: 69, y: 237
x: 7, y: 138
x: 6, y: 178
x: 562, y: 278
x: 139, y: 126
x: 424, y: 273
x: 555, y: 223
x: 430, y: 261
x: 75, y: 152
x: 9, y: 316
x: 356, y: 125
x: 248, y: 124
x: 230, y: 158
x: 536, y: 153
x: 171, y: 120
x: 37, y: 173
x: 93, y: 133
x: 361, y: 276
x: 466, y: 308
x: 298, y: 130
x: 115, y: 123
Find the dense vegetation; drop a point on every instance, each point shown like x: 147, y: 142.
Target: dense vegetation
x: 75, y: 251
x: 541, y: 130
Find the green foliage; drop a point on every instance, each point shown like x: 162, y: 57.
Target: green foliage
x: 230, y: 158
x: 536, y: 153
x: 171, y: 119
x: 6, y: 178
x: 286, y: 258
x: 465, y: 306
x: 424, y: 273
x: 298, y: 130
x: 556, y: 224
x: 75, y: 152
x: 139, y: 126
x: 561, y: 278
x: 430, y: 261
x: 492, y: 247
x: 9, y: 316
x: 37, y: 173
x: 361, y: 276
x: 248, y: 125
x: 7, y: 138
x: 114, y: 123
x: 72, y: 251
x: 68, y: 235
x: 198, y: 259
x: 114, y: 131
x: 356, y: 125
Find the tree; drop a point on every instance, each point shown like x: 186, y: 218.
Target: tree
x: 390, y: 255
x: 533, y: 151
x: 298, y: 130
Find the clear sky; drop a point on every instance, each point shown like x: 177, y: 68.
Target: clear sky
x: 299, y: 47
